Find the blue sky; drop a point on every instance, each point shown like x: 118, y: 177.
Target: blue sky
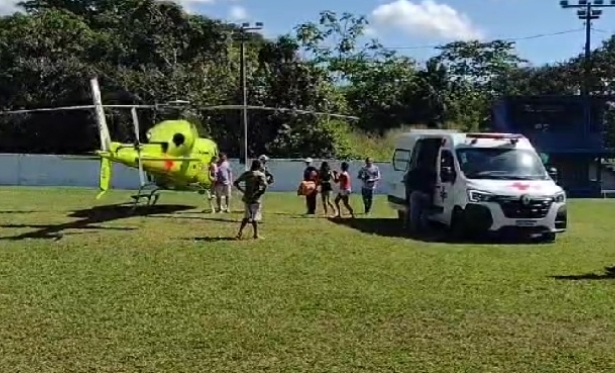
x: 410, y: 25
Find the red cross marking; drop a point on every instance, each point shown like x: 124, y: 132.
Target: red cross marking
x: 523, y: 187
x: 168, y: 165
x: 520, y: 186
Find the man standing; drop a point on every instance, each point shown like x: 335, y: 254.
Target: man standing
x: 310, y: 173
x: 369, y: 175
x: 224, y: 179
x: 212, y: 169
x: 255, y: 185
x: 420, y: 185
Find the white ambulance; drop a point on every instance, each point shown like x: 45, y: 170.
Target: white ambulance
x: 484, y: 183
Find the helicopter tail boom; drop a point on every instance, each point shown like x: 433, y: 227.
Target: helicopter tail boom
x: 106, y: 168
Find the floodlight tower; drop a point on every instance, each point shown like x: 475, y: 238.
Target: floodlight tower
x: 586, y: 11
x: 244, y: 29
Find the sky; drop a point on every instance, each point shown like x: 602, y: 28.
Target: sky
x: 544, y: 32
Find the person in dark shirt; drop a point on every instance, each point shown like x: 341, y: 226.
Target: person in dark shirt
x: 420, y: 184
x: 326, y: 178
x: 310, y: 173
x: 254, y: 186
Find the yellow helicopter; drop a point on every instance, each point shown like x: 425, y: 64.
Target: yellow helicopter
x: 174, y: 157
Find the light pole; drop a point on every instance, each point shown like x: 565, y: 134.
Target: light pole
x: 586, y: 11
x: 244, y: 29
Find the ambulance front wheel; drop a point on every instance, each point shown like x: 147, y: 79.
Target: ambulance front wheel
x: 548, y: 237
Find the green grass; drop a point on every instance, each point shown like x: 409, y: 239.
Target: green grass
x: 169, y: 293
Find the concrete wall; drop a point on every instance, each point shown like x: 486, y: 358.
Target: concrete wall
x: 51, y: 170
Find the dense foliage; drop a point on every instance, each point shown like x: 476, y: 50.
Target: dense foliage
x: 147, y: 51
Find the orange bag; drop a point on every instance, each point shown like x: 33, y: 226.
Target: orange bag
x: 305, y: 188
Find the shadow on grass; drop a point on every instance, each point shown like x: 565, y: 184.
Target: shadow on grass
x: 390, y: 227
x: 18, y: 212
x: 609, y: 274
x: 204, y: 218
x: 212, y: 239
x: 89, y: 217
x: 386, y: 227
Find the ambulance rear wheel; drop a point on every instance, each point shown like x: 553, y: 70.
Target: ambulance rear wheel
x: 457, y: 228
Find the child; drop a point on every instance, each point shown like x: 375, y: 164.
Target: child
x: 343, y: 195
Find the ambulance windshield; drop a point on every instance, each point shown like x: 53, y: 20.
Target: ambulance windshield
x: 501, y: 164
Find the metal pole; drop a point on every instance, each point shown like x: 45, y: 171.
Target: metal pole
x: 587, y: 12
x: 244, y: 28
x: 244, y: 89
x: 587, y: 68
x: 587, y: 57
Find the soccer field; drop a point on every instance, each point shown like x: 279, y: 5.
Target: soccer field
x: 86, y: 287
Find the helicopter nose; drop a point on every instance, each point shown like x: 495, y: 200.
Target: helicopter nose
x: 179, y: 139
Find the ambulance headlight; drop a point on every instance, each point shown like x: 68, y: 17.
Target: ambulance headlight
x: 559, y: 197
x: 479, y: 196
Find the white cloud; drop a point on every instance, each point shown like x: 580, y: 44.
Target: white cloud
x: 427, y: 18
x: 238, y: 13
x: 370, y: 32
x: 193, y: 6
x: 8, y: 7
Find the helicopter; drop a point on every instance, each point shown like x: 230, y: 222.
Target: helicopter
x: 173, y: 157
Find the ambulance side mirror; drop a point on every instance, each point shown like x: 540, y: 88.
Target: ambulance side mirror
x: 447, y: 175
x: 552, y: 171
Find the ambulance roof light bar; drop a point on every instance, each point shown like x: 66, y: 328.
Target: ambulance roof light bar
x: 513, y: 138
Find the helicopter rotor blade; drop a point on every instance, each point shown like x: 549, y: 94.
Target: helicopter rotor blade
x: 135, y: 122
x: 270, y: 108
x: 78, y: 107
x: 173, y: 105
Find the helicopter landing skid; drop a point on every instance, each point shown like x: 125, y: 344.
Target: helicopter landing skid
x: 151, y: 196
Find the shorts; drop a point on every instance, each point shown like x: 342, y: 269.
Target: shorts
x: 252, y: 211
x: 222, y: 190
x: 344, y: 193
x: 326, y: 187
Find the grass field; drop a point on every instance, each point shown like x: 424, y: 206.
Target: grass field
x: 87, y: 289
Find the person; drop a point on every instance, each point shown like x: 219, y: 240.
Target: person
x: 420, y: 186
x: 325, y: 183
x: 255, y: 185
x: 369, y: 175
x: 212, y: 168
x: 343, y: 194
x: 310, y: 173
x: 264, y: 159
x: 223, y: 186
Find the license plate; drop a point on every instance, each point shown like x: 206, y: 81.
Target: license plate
x: 525, y: 223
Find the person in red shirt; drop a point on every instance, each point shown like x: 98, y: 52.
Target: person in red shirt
x: 345, y: 188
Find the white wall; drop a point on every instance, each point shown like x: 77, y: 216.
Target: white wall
x: 51, y: 170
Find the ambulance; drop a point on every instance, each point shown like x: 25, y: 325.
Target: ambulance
x: 485, y: 183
